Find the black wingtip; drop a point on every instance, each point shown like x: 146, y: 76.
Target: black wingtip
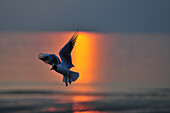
x: 75, y: 35
x: 77, y: 29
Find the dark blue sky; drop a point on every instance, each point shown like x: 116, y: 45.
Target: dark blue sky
x: 95, y: 15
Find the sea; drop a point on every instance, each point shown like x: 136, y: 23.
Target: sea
x: 119, y: 73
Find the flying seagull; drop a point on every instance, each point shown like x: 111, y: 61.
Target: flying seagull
x: 63, y: 66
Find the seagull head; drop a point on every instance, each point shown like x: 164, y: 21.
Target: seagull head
x: 43, y: 57
x: 54, y: 67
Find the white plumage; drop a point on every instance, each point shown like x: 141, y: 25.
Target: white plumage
x: 63, y: 66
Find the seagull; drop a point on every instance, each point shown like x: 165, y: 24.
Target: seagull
x: 63, y: 66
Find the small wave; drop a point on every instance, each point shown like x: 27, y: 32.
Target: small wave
x: 50, y: 92
x: 53, y: 92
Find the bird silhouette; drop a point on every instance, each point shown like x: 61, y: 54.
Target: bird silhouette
x: 63, y: 66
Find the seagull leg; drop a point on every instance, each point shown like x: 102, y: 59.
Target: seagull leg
x: 69, y: 80
x: 66, y: 81
x: 66, y: 84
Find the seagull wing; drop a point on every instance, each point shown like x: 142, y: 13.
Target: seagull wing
x: 65, y: 52
x: 50, y: 59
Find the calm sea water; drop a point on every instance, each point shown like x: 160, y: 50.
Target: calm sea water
x: 119, y: 73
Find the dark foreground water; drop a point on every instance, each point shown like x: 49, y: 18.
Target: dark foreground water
x: 119, y: 73
x: 49, y: 101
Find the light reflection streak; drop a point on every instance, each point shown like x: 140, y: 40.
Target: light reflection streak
x: 84, y: 55
x: 89, y: 112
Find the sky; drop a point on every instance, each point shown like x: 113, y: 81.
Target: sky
x: 88, y: 15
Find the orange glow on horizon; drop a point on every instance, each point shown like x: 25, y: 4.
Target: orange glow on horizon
x: 83, y: 57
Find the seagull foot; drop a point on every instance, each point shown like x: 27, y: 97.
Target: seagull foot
x: 66, y: 84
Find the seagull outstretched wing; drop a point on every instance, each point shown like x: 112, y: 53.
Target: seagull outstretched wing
x: 50, y: 59
x: 65, y: 52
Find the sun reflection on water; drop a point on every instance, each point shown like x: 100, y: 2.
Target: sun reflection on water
x: 83, y: 56
x: 89, y: 112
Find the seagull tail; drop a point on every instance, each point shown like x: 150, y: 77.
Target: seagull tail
x: 73, y: 77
